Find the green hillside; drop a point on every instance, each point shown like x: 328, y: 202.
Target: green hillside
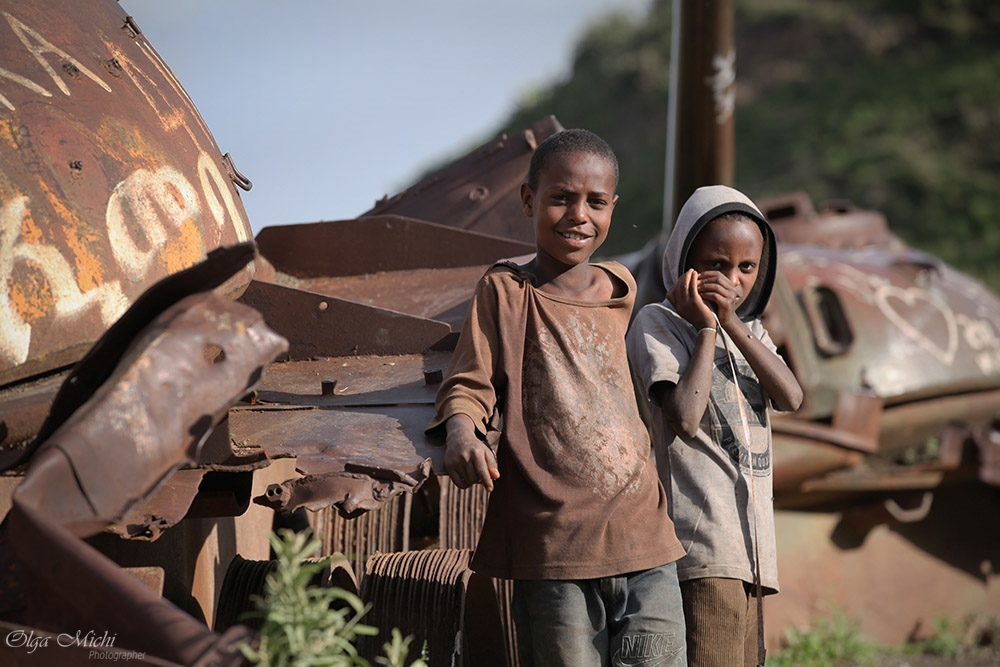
x: 892, y: 104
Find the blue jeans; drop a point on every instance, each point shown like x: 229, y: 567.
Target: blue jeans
x: 622, y: 621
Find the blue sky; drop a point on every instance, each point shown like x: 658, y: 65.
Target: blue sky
x: 327, y: 105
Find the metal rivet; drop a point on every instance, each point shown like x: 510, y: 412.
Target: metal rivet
x: 329, y: 386
x: 433, y: 376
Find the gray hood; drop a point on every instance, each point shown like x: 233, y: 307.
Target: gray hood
x: 706, y: 204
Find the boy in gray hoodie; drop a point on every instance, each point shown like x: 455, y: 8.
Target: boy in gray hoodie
x: 710, y: 370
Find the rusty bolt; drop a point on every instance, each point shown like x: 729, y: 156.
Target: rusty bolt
x: 433, y: 376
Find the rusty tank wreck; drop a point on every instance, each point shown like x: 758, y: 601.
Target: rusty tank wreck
x: 172, y: 389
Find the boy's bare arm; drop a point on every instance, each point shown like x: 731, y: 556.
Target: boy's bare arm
x: 773, y: 374
x: 684, y: 403
x: 467, y: 459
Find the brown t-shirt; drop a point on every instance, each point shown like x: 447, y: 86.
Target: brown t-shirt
x: 578, y: 495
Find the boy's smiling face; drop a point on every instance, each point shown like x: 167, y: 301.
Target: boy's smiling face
x: 571, y: 206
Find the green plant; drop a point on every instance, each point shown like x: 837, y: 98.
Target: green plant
x: 832, y: 642
x: 946, y: 641
x: 312, y: 626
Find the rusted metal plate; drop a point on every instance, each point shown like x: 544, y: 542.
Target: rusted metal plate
x: 355, y: 426
x: 402, y: 264
x: 381, y: 243
x: 479, y: 191
x: 322, y: 326
x: 437, y: 294
x: 110, y: 179
x: 373, y: 415
x: 331, y: 440
x: 353, y: 381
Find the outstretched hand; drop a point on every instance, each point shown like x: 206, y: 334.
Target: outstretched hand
x: 468, y: 460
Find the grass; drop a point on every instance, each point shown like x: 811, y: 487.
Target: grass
x: 833, y: 641
x: 836, y: 641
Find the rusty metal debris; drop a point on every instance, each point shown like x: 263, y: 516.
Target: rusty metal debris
x: 154, y: 399
x: 450, y: 610
x: 120, y: 224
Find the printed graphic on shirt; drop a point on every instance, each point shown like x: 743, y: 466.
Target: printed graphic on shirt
x: 576, y: 408
x: 727, y: 426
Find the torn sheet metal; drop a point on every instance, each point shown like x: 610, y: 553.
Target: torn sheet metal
x: 100, y: 361
x: 350, y: 493
x: 167, y: 505
x: 175, y: 382
x: 148, y: 414
x: 186, y: 493
x: 371, y: 423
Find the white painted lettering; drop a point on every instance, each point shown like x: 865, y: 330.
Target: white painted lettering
x: 42, y: 46
x: 27, y: 83
x: 69, y: 300
x: 136, y: 205
x: 213, y: 185
x: 721, y: 83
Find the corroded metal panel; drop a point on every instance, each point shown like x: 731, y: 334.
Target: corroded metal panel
x: 153, y: 404
x: 153, y: 415
x: 902, y: 325
x: 354, y: 425
x: 318, y: 326
x: 480, y: 190
x: 381, y: 243
x: 109, y: 179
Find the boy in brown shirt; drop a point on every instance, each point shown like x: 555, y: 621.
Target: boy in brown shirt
x: 577, y: 516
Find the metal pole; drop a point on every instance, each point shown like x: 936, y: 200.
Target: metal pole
x: 700, y: 115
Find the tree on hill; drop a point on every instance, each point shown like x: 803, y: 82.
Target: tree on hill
x: 892, y: 104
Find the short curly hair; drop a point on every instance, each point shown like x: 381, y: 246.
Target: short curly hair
x: 565, y: 142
